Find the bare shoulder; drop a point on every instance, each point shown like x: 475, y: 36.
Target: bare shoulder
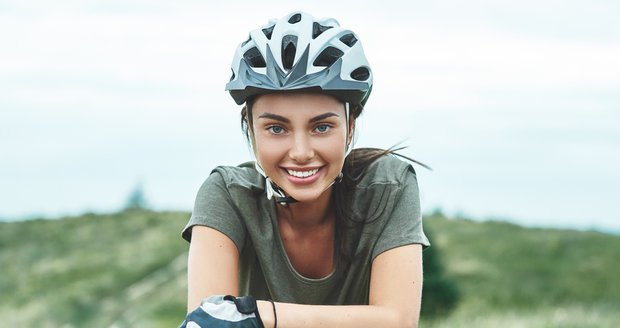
x: 212, y: 265
x: 203, y: 236
x: 396, y: 277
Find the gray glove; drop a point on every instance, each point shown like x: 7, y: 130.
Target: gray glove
x: 224, y: 311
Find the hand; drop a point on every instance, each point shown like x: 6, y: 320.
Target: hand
x: 224, y: 311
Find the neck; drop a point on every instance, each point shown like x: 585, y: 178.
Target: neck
x: 305, y: 215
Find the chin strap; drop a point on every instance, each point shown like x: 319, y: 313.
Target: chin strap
x: 349, y: 144
x: 272, y: 189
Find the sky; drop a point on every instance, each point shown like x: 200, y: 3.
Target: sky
x: 514, y: 104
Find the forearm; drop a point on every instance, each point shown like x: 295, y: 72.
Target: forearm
x: 341, y: 316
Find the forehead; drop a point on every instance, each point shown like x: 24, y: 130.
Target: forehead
x: 296, y: 104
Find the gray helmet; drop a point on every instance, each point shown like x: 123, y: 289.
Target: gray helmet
x: 300, y: 52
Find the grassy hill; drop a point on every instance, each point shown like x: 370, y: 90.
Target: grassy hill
x: 123, y: 270
x: 511, y: 276
x: 128, y: 270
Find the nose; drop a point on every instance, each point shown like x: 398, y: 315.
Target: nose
x: 301, y: 150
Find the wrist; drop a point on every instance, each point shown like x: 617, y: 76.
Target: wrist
x: 265, y: 309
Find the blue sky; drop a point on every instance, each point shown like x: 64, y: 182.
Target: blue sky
x: 515, y: 105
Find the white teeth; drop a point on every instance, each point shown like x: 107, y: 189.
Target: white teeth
x: 302, y: 174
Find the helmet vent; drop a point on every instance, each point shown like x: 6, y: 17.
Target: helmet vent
x: 289, y: 47
x: 318, y: 29
x: 328, y: 56
x: 232, y: 77
x: 267, y: 31
x: 294, y: 19
x: 254, y: 58
x: 360, y: 74
x: 349, y: 39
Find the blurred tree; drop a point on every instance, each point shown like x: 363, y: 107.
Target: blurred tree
x: 440, y: 293
x: 136, y: 200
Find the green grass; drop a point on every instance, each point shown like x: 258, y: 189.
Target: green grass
x: 91, y: 270
x: 509, y: 266
x: 128, y: 270
x: 511, y: 276
x: 567, y: 316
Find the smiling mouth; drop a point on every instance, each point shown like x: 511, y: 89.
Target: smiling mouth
x: 302, y: 174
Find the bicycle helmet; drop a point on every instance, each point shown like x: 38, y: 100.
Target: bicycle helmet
x: 299, y: 52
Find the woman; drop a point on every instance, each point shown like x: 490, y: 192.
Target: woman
x: 311, y: 233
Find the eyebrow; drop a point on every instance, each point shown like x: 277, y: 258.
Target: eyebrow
x: 286, y: 120
x: 275, y: 117
x: 322, y: 117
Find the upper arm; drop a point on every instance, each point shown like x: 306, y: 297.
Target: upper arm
x: 396, y: 281
x: 212, y: 265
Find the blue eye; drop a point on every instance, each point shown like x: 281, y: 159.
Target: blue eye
x: 323, y: 128
x: 275, y: 129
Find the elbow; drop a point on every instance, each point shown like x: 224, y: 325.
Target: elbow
x: 402, y: 318
x: 409, y: 320
x: 409, y: 323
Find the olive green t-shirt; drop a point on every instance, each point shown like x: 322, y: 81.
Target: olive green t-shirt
x: 233, y: 201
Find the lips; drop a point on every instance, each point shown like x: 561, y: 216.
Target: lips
x: 302, y: 174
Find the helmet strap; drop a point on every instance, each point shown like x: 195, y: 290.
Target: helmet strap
x: 349, y: 146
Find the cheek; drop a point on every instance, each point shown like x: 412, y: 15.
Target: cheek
x: 333, y: 148
x: 267, y: 151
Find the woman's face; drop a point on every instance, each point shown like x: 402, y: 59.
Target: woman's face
x: 300, y: 141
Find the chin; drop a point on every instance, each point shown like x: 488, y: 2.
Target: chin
x: 307, y: 196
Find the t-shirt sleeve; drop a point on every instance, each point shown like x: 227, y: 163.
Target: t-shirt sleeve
x: 404, y: 225
x: 214, y: 208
